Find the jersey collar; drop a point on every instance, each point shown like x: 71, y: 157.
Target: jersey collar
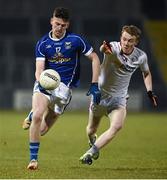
x: 56, y: 39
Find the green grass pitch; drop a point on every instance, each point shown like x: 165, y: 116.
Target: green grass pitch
x: 138, y: 151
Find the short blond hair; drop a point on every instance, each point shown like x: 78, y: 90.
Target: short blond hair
x: 132, y: 30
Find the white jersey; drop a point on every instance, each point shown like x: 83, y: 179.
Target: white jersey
x: 117, y: 69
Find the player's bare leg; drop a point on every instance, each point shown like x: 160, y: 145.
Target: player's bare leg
x: 91, y: 128
x: 117, y: 118
x: 49, y: 118
x: 40, y: 104
x: 93, y: 152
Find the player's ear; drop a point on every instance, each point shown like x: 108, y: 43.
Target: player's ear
x: 120, y: 37
x: 68, y: 24
x: 51, y: 20
x: 136, y: 42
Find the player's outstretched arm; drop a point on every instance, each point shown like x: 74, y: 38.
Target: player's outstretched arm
x: 106, y: 48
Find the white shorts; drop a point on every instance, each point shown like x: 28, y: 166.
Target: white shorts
x: 59, y: 98
x: 107, y: 104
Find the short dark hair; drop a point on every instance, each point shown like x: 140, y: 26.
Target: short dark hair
x: 132, y: 30
x: 61, y: 12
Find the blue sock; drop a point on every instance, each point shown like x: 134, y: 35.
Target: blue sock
x: 30, y: 116
x: 34, y: 147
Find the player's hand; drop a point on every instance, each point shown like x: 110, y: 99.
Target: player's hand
x: 153, y: 98
x: 106, y: 47
x: 94, y: 90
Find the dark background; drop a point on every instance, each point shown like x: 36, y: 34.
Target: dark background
x: 23, y: 22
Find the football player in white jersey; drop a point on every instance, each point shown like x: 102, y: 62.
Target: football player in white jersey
x: 59, y: 50
x: 121, y: 59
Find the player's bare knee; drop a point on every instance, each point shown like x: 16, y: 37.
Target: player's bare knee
x: 37, y: 117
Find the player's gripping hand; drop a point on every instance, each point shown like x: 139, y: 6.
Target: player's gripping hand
x: 94, y: 90
x: 152, y: 97
x: 106, y: 48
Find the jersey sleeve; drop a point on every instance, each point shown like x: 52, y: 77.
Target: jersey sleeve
x: 85, y: 47
x: 144, y: 64
x: 39, y: 51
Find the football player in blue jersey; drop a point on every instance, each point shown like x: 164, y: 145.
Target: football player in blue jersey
x: 59, y: 50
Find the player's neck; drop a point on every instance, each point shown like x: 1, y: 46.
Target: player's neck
x: 126, y: 53
x: 53, y: 36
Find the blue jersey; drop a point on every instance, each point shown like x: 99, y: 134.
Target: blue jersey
x: 63, y: 55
